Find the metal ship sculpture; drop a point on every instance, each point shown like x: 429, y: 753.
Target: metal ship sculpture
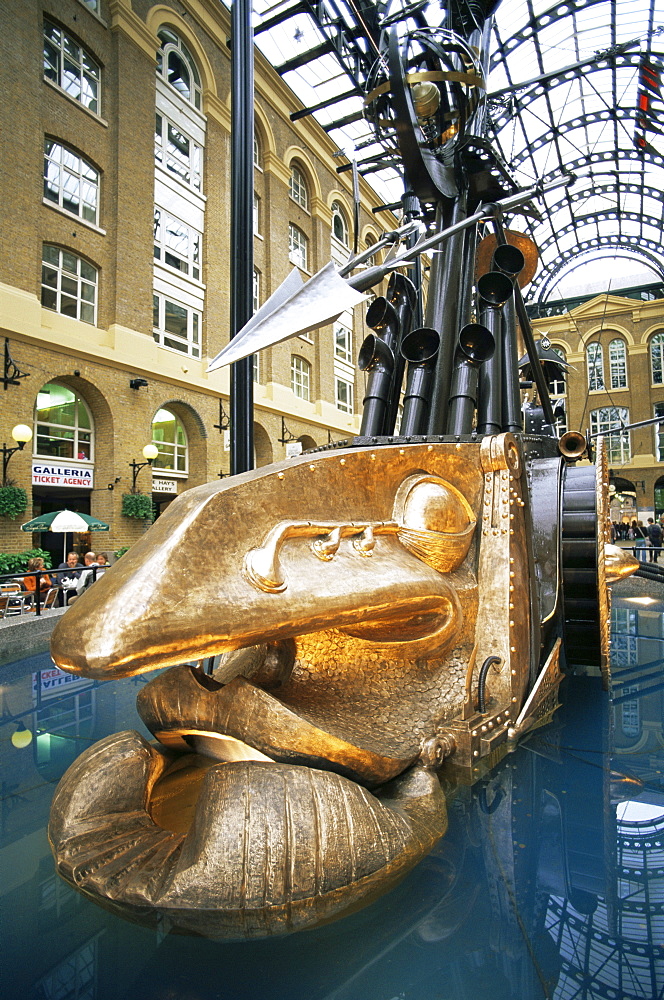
x: 393, y: 608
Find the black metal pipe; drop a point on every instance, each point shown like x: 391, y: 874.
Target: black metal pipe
x: 402, y: 293
x: 510, y: 261
x: 242, y: 239
x: 494, y: 289
x: 420, y: 350
x: 383, y: 318
x: 476, y: 345
x: 377, y: 358
x: 442, y: 314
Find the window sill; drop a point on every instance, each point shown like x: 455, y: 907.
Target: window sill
x: 75, y: 218
x: 59, y: 90
x: 301, y: 207
x: 86, y: 463
x: 299, y: 267
x: 171, y: 473
x: 178, y: 353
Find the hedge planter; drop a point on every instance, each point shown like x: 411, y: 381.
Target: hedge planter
x: 138, y: 505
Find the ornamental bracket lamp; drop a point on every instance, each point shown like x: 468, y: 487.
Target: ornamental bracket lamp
x: 21, y: 434
x: 150, y: 452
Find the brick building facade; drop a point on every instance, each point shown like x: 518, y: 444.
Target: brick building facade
x: 615, y: 346
x: 116, y: 257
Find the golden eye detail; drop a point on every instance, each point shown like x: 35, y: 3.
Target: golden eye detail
x: 436, y: 522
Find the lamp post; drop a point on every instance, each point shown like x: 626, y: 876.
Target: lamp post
x: 150, y: 452
x: 21, y: 434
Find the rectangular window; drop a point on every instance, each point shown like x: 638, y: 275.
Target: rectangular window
x: 256, y: 368
x: 343, y: 345
x: 659, y: 432
x: 177, y: 152
x: 70, y: 182
x: 69, y: 284
x: 300, y: 377
x: 257, y: 215
x: 343, y: 395
x: 176, y: 327
x: 298, y: 247
x: 257, y: 290
x: 71, y: 67
x: 608, y: 421
x: 176, y: 244
x: 618, y: 364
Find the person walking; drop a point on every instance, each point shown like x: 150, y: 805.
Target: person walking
x: 640, y: 536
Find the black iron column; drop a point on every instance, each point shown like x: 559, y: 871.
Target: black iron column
x: 242, y: 229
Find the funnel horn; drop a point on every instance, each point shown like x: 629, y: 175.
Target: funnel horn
x: 476, y: 345
x: 420, y: 350
x: 572, y: 445
x: 494, y: 289
x: 377, y: 358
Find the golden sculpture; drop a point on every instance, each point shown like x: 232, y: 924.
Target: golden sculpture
x: 384, y: 610
x: 297, y: 781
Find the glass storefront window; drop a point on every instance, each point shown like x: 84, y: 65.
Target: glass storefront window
x: 169, y: 436
x: 63, y: 425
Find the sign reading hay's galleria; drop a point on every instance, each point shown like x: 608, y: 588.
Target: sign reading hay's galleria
x: 47, y: 474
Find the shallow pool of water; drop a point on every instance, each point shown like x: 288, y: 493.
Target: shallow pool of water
x: 549, y: 883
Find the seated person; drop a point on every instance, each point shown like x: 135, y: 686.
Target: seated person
x: 30, y: 582
x: 69, y: 574
x: 87, y: 576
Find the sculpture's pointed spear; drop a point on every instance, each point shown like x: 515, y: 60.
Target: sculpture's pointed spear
x: 295, y: 309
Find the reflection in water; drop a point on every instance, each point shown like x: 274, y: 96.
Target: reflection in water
x: 549, y: 884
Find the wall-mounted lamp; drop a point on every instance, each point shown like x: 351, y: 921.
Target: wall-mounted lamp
x: 21, y: 737
x: 21, y: 434
x: 12, y: 374
x: 150, y: 452
x: 137, y: 383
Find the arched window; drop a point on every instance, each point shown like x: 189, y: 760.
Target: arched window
x: 339, y: 224
x: 169, y: 436
x: 258, y: 159
x: 176, y: 65
x: 63, y: 424
x: 618, y: 364
x: 300, y: 377
x: 608, y: 421
x: 71, y: 67
x: 298, y: 247
x: 69, y: 284
x: 657, y: 358
x: 298, y: 188
x: 595, y: 362
x: 70, y: 182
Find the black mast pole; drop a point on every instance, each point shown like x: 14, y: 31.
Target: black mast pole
x: 242, y: 229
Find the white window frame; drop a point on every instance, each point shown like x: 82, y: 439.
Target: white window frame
x: 658, y: 411
x: 298, y: 247
x: 556, y: 383
x: 67, y: 174
x: 301, y: 377
x: 595, y: 363
x: 189, y: 171
x: 657, y: 359
x: 618, y: 442
x: 338, y: 213
x: 78, y: 287
x: 175, y: 46
x: 171, y: 341
x: 189, y: 254
x: 258, y: 162
x: 75, y: 428
x: 256, y: 290
x: 257, y: 214
x: 343, y: 342
x: 71, y: 67
x: 298, y: 188
x: 618, y: 364
x: 345, y: 405
x: 178, y: 450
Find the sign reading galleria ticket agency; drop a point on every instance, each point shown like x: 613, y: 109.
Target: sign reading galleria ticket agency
x: 76, y: 476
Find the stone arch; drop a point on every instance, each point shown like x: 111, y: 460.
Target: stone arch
x: 196, y: 437
x: 264, y: 129
x: 307, y: 442
x: 299, y: 156
x: 102, y: 416
x: 262, y: 446
x: 160, y: 15
x: 607, y: 333
x: 651, y: 331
